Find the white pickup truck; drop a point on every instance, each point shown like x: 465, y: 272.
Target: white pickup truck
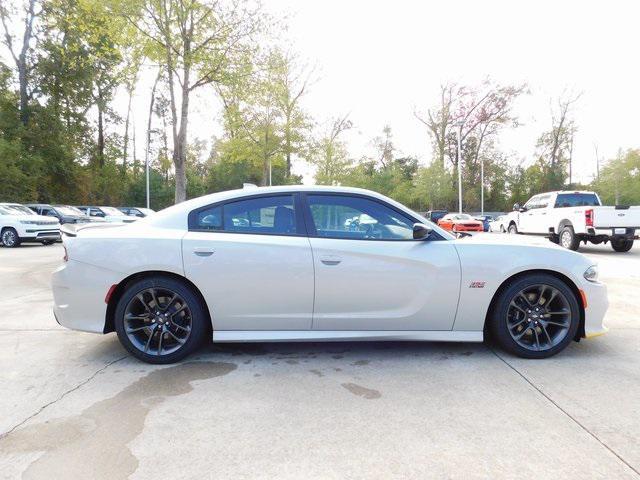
x: 568, y: 218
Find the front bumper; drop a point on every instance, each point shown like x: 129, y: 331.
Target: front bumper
x: 597, y: 305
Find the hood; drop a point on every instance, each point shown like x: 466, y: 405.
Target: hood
x: 35, y: 219
x: 506, y: 239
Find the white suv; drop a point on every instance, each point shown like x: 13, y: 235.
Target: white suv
x: 17, y: 227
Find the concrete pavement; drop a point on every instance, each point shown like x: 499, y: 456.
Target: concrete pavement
x: 75, y: 405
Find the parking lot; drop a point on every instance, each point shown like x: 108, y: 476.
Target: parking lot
x: 75, y: 405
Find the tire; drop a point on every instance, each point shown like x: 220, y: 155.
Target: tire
x: 10, y: 238
x: 504, y: 326
x: 48, y: 242
x: 568, y: 238
x: 512, y: 229
x: 502, y: 230
x: 145, y: 335
x: 621, y: 245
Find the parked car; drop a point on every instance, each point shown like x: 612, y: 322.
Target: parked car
x: 136, y: 211
x: 498, y: 224
x: 109, y: 214
x: 280, y: 264
x: 435, y: 215
x: 460, y: 222
x: 63, y: 213
x: 569, y: 218
x: 23, y: 209
x: 17, y: 227
x: 485, y: 219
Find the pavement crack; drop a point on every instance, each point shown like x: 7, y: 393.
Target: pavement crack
x: 567, y: 414
x: 64, y: 394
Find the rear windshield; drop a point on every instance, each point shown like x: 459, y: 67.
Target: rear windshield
x: 564, y: 200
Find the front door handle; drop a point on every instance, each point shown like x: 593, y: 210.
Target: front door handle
x: 202, y: 252
x: 330, y: 260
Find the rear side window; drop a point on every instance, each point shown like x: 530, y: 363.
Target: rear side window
x: 564, y: 200
x: 262, y: 215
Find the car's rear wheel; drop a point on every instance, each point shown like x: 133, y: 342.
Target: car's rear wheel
x: 621, y: 245
x: 568, y: 238
x: 10, y: 238
x: 536, y: 317
x: 160, y: 320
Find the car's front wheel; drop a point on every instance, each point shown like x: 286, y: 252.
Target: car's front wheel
x: 160, y: 320
x: 535, y: 317
x: 10, y: 238
x: 513, y: 229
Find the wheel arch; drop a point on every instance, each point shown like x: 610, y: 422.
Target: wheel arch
x: 116, y: 295
x: 565, y: 222
x: 505, y: 284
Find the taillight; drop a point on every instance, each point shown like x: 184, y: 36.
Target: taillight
x: 66, y: 255
x: 588, y: 217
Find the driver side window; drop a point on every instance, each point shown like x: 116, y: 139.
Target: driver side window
x: 357, y: 218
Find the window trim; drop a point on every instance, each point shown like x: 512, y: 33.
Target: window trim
x: 311, y: 227
x: 301, y: 230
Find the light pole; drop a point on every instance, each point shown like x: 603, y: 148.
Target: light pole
x: 459, y: 132
x: 481, y: 186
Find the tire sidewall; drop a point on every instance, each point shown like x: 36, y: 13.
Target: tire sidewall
x: 199, y: 319
x: 622, y: 246
x: 574, y: 243
x: 512, y: 229
x: 16, y: 238
x: 499, y: 329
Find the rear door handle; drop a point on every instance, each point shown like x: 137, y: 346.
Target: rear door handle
x: 330, y: 259
x: 203, y: 252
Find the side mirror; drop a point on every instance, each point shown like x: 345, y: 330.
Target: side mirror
x: 421, y: 231
x: 516, y: 207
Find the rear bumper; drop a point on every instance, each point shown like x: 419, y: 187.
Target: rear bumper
x: 79, y: 290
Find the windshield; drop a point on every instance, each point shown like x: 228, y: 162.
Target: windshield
x: 8, y: 211
x: 462, y: 216
x: 22, y: 209
x: 111, y: 211
x: 64, y: 210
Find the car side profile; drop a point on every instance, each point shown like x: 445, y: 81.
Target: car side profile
x: 460, y: 222
x: 108, y: 214
x: 291, y: 264
x: 17, y: 226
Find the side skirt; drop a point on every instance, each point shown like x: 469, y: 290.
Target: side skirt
x: 344, y: 335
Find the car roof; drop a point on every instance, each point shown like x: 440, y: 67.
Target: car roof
x: 176, y: 215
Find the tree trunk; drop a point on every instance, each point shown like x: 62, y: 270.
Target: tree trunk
x: 100, y: 131
x: 180, y: 148
x: 24, y: 96
x: 126, y: 135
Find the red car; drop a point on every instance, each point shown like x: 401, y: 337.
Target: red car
x: 460, y: 222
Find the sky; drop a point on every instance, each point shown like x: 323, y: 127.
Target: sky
x: 378, y: 61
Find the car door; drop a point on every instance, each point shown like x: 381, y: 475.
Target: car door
x: 252, y: 261
x: 526, y: 219
x: 372, y: 275
x: 539, y: 217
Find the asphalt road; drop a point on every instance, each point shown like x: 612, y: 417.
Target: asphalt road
x: 75, y: 405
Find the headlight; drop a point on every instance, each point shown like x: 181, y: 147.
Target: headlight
x: 591, y: 273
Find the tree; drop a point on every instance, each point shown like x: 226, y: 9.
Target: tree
x: 291, y: 83
x: 21, y: 54
x: 330, y: 156
x: 555, y: 146
x: 198, y: 43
